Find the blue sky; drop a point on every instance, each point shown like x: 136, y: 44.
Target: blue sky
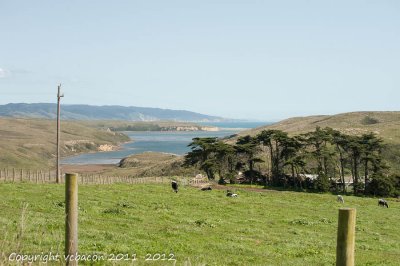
x: 263, y: 60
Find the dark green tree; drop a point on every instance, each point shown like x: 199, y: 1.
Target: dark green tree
x: 317, y: 143
x: 340, y: 142
x: 226, y: 160
x: 371, y: 149
x: 354, y: 150
x: 202, y: 154
x: 248, y: 148
x: 293, y: 157
x: 283, y: 151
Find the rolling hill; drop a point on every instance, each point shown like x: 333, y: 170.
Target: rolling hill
x: 31, y: 143
x: 384, y: 124
x: 109, y: 112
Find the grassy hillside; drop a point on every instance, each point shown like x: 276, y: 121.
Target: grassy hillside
x: 141, y: 165
x: 154, y: 164
x: 385, y: 124
x: 199, y: 228
x: 31, y: 143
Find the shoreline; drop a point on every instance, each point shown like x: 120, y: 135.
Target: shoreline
x: 117, y: 148
x: 110, y: 158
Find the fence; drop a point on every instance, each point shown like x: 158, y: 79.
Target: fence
x: 49, y: 176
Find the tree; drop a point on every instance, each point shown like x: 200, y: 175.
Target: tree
x: 354, y: 149
x: 340, y: 142
x: 248, y: 148
x: 291, y: 148
x: 202, y: 154
x: 317, y: 141
x: 225, y: 160
x: 382, y: 185
x: 371, y: 148
x: 283, y: 151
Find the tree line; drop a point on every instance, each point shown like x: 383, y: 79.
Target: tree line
x: 322, y: 160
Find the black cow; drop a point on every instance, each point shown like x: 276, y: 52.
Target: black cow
x: 383, y: 203
x: 174, y: 185
x: 206, y: 188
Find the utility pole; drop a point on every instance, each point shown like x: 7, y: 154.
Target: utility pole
x: 59, y: 95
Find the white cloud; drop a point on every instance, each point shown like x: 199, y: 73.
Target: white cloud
x: 4, y: 73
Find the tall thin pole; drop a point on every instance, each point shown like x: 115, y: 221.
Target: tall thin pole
x: 59, y: 95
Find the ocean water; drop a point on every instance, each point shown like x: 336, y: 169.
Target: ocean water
x: 168, y: 142
x: 238, y: 125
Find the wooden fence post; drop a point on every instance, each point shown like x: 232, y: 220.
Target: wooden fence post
x: 346, y: 237
x: 71, y: 218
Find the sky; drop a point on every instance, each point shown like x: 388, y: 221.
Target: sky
x: 258, y: 60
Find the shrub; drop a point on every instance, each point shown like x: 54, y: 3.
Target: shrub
x: 381, y: 185
x: 322, y: 183
x: 369, y: 120
x: 221, y: 181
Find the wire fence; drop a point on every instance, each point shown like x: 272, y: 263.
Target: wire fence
x: 49, y: 176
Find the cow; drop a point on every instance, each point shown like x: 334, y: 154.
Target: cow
x: 231, y: 194
x: 340, y: 198
x: 383, y: 203
x: 206, y: 188
x: 174, y: 185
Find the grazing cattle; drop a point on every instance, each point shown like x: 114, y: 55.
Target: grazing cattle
x: 340, y: 198
x: 206, y: 188
x: 174, y: 185
x: 231, y: 194
x: 383, y: 203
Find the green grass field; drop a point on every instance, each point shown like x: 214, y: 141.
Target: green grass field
x: 198, y: 227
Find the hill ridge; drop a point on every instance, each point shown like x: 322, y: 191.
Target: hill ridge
x: 103, y: 112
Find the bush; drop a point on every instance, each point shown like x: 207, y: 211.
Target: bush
x: 322, y: 183
x: 381, y: 185
x: 253, y: 176
x: 369, y: 121
x: 396, y: 179
x: 221, y: 181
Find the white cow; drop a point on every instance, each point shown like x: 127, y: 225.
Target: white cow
x: 340, y: 198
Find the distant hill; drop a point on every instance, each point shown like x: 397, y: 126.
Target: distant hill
x: 31, y: 143
x: 108, y: 112
x: 384, y: 124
